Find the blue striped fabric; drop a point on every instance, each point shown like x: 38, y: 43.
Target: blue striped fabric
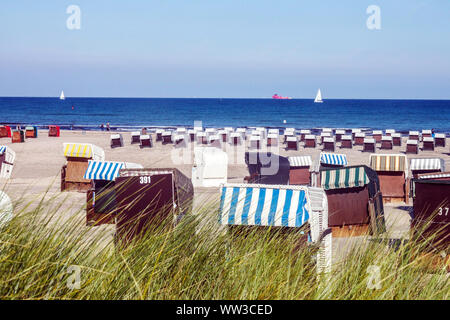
x: 103, y: 170
x: 333, y: 158
x: 264, y: 205
x: 2, y: 149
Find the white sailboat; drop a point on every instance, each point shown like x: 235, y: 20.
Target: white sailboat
x: 318, y: 98
x: 62, y: 97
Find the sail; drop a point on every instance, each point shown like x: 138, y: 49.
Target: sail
x: 318, y: 97
x: 61, y: 97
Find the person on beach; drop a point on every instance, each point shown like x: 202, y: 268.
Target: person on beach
x: 107, y: 126
x: 102, y: 127
x: 144, y: 131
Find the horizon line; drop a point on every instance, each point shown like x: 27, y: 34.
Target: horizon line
x: 262, y: 98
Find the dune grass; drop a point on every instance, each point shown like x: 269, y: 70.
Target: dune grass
x: 194, y: 260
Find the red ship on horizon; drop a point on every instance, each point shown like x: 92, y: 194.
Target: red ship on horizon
x: 276, y: 96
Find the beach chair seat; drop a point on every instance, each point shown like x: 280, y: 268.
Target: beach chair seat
x: 412, y: 146
x: 396, y: 139
x: 180, y: 141
x: 53, y: 131
x: 191, y: 135
x: 5, y: 132
x: 223, y: 134
x: 167, y: 137
x: 428, y: 144
x: 214, y: 141
x: 292, y: 143
x: 201, y: 138
x: 386, y: 142
x: 329, y: 144
x: 377, y: 135
x: 310, y: 141
x: 346, y: 142
x: 339, y: 134
x: 235, y: 138
x: 413, y: 135
x: 116, y: 140
x: 369, y: 145
x: 159, y: 133
x: 299, y: 170
x: 389, y: 132
x: 135, y: 137
x: 145, y: 141
x: 18, y: 136
x: 31, y: 132
x: 255, y: 142
x: 272, y: 139
x: 439, y: 140
x: 359, y: 138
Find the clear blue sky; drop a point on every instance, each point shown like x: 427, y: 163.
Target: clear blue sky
x: 226, y: 48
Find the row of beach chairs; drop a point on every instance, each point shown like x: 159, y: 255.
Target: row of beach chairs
x: 19, y: 135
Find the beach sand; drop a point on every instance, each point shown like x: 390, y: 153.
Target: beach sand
x: 38, y: 164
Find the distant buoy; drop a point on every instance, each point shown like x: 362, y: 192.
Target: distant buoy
x: 284, y: 121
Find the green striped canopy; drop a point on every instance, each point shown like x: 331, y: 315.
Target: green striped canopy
x: 344, y: 178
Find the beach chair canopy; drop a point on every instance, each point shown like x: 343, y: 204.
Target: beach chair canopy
x: 333, y: 159
x: 300, y: 161
x: 428, y: 164
x: 84, y: 150
x: 107, y: 170
x: 389, y: 162
x: 269, y: 205
x: 9, y: 153
x: 344, y: 178
x: 436, y: 175
x: 6, y: 209
x: 282, y: 206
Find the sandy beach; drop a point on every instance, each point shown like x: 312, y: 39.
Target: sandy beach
x: 39, y: 161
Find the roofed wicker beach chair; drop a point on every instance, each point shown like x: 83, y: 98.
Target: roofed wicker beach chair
x: 386, y: 142
x: 396, y: 139
x: 428, y: 144
x: 369, y: 145
x: 329, y: 144
x: 310, y: 141
x: 116, y: 140
x: 145, y: 141
x: 135, y: 137
x: 439, y: 140
x: 412, y: 146
x: 346, y: 142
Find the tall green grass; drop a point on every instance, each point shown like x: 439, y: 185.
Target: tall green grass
x: 194, y: 260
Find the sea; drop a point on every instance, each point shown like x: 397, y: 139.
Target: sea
x: 135, y: 113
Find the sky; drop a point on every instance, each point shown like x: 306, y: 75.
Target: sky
x: 226, y: 48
